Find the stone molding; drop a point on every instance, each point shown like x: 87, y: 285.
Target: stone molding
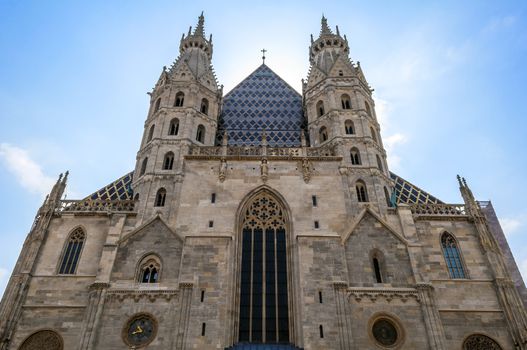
x: 136, y: 295
x: 388, y: 294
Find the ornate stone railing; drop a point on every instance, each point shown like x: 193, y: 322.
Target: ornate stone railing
x: 260, y: 151
x: 97, y: 205
x: 438, y: 209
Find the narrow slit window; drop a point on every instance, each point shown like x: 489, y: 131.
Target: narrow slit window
x: 321, y: 331
x: 377, y: 268
x: 452, y: 255
x: 314, y: 200
x: 320, y: 297
x: 202, y: 296
x: 211, y: 223
x: 317, y: 225
x: 203, y: 326
x: 72, y: 252
x: 213, y: 198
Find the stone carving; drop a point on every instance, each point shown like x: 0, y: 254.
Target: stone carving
x: 306, y: 170
x: 223, y: 170
x: 96, y: 205
x: 384, y: 332
x: 264, y: 212
x: 136, y: 295
x: 403, y: 294
x: 480, y: 342
x: 264, y: 170
x: 438, y: 209
x: 43, y: 340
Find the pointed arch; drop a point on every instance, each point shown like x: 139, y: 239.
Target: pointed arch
x: 200, y: 134
x: 379, y: 162
x: 204, y: 108
x: 160, y: 197
x: 320, y: 108
x: 368, y: 108
x: 173, y: 128
x: 480, y: 341
x: 345, y: 101
x: 452, y: 255
x: 388, y: 197
x: 48, y: 337
x: 143, y: 166
x: 168, y: 161
x: 362, y: 192
x: 180, y: 99
x: 349, y: 127
x: 151, y: 133
x: 373, y: 134
x: 378, y: 265
x: 355, y: 156
x: 72, y: 252
x: 149, y: 268
x: 262, y: 296
x: 323, y: 134
x: 157, y: 104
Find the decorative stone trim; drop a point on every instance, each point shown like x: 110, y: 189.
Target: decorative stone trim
x: 150, y: 294
x: 388, y: 294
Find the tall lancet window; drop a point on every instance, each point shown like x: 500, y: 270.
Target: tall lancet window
x: 72, y: 252
x: 452, y: 255
x: 264, y: 315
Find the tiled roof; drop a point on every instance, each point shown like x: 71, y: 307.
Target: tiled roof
x: 120, y: 189
x: 262, y: 101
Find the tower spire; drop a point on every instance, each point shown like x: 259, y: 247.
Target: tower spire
x: 200, y: 30
x: 325, y: 30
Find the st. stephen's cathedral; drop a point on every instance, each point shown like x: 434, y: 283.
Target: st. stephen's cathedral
x: 263, y: 219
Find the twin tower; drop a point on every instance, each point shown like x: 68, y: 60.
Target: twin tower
x: 334, y: 116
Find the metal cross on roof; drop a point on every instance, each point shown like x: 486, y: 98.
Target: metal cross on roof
x: 263, y: 55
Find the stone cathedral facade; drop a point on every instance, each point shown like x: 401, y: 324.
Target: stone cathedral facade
x: 263, y: 218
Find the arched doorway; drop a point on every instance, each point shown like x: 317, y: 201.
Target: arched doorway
x: 263, y: 292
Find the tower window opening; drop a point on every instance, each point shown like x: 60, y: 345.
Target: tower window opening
x: 368, y: 108
x: 203, y: 326
x: 200, y: 134
x: 320, y: 108
x: 355, y: 156
x: 168, y: 162
x: 362, y: 194
x: 149, y: 270
x: 346, y: 101
x: 388, y: 198
x: 320, y: 297
x: 204, y: 106
x: 317, y: 224
x: 180, y: 99
x: 213, y: 198
x: 323, y: 133
x: 143, y: 166
x: 173, y: 128
x: 211, y: 223
x: 379, y: 162
x: 321, y: 331
x: 157, y: 105
x: 314, y: 200
x: 373, y: 134
x: 377, y: 269
x: 202, y: 295
x: 160, y: 197
x: 151, y: 133
x: 341, y: 73
x: 349, y: 127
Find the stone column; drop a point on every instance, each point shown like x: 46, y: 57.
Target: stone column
x: 343, y: 315
x: 433, y: 325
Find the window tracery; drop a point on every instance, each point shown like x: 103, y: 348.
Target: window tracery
x: 173, y: 128
x: 263, y: 289
x: 362, y: 193
x: 160, y: 197
x: 349, y: 127
x: 323, y: 133
x: 149, y: 269
x: 72, y: 252
x: 168, y: 161
x: 452, y: 255
x: 480, y: 342
x: 180, y: 98
x: 355, y: 156
x: 44, y: 339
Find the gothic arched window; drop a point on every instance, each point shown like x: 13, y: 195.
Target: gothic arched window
x: 157, y: 105
x: 362, y: 193
x: 143, y: 166
x: 350, y: 129
x: 388, y: 198
x: 168, y: 161
x: 377, y: 261
x: 323, y: 134
x: 72, y: 252
x: 204, y: 106
x: 160, y: 197
x: 355, y: 156
x: 180, y: 98
x: 200, y: 134
x: 480, y: 342
x: 149, y: 269
x: 44, y: 339
x: 373, y: 134
x: 173, y: 128
x: 379, y: 162
x: 320, y: 108
x: 264, y: 316
x: 151, y: 133
x: 452, y: 255
x: 368, y: 109
x: 346, y: 101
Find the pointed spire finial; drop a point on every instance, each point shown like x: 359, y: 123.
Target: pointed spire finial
x: 263, y: 55
x: 200, y: 27
x: 325, y: 28
x: 459, y: 180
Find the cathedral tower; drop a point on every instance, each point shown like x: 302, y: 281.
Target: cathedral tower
x: 340, y: 111
x: 184, y: 108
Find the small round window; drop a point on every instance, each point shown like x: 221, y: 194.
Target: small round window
x: 385, y: 332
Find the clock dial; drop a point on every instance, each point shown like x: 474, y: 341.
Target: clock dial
x: 140, y: 330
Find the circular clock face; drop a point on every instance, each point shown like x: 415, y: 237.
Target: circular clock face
x: 140, y: 330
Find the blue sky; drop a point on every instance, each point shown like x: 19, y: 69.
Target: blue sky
x: 449, y: 77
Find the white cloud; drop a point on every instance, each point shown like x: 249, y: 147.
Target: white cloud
x: 511, y: 225
x: 27, y: 172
